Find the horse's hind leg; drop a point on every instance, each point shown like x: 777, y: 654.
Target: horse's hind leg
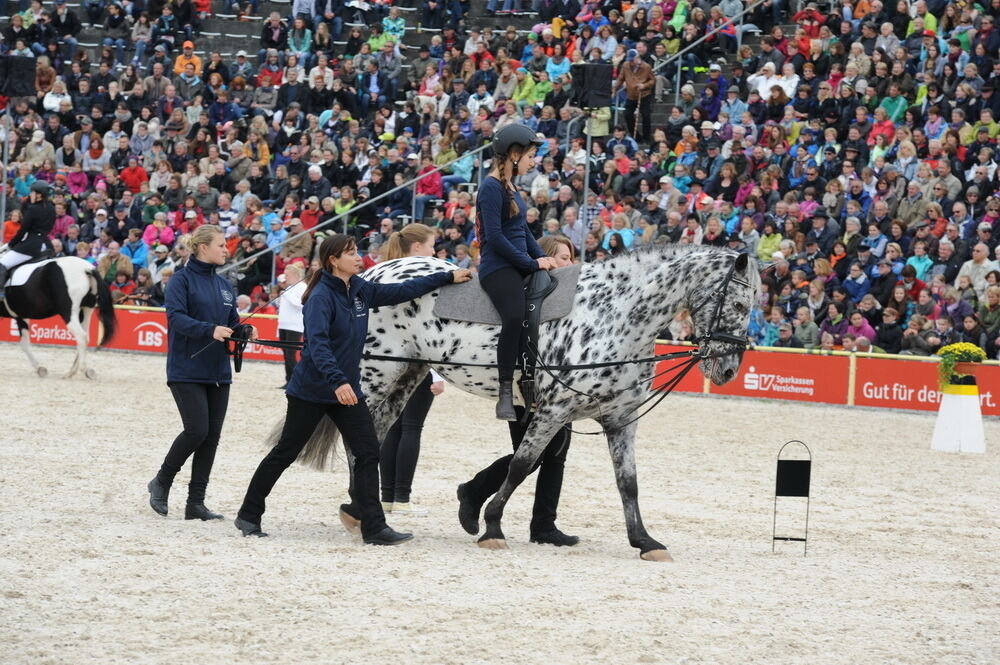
x: 395, y: 396
x: 543, y: 427
x: 25, y: 331
x: 621, y: 443
x: 88, y: 312
x: 395, y: 392
x: 80, y: 335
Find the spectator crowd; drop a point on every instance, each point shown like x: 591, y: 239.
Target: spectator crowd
x: 850, y: 147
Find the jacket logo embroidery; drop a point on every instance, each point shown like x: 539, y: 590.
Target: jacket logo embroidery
x: 359, y: 308
x: 227, y: 297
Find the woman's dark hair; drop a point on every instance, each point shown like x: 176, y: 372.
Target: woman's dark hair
x: 331, y: 248
x: 616, y: 244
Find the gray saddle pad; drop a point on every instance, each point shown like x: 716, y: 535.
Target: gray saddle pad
x: 468, y: 301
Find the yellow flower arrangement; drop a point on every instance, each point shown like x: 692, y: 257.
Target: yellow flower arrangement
x: 951, y: 355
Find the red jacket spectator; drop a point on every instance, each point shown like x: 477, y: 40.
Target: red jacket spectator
x: 133, y: 177
x: 429, y: 184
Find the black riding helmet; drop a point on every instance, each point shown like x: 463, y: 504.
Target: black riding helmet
x: 514, y: 135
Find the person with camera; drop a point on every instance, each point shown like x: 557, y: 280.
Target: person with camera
x: 201, y: 315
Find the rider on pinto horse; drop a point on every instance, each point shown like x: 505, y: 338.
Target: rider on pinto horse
x: 32, y: 239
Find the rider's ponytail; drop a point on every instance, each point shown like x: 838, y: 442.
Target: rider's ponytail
x: 508, y: 187
x: 401, y: 242
x: 331, y: 247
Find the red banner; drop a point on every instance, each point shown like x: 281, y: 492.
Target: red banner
x: 693, y: 381
x: 911, y: 384
x: 889, y: 383
x: 798, y: 377
x: 138, y: 330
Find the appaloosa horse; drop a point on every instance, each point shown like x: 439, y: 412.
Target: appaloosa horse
x: 620, y: 307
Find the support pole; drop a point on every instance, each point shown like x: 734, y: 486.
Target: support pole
x: 5, y: 123
x: 585, y: 209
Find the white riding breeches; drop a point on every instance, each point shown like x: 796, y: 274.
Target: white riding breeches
x: 12, y: 258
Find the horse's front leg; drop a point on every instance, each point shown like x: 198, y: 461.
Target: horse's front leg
x: 621, y: 443
x: 543, y: 427
x: 24, y: 329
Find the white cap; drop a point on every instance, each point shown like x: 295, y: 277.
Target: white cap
x: 189, y: 214
x: 241, y: 54
x: 412, y: 155
x: 102, y: 211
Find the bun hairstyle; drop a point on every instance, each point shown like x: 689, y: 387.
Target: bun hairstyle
x: 331, y: 248
x: 400, y: 242
x: 203, y: 235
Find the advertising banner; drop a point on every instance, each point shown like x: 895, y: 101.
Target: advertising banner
x: 43, y: 331
x: 911, y: 384
x: 138, y: 330
x: 792, y: 376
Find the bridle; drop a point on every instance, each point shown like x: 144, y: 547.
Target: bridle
x: 691, y: 357
x: 711, y: 334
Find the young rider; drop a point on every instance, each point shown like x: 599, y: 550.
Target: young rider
x: 32, y: 239
x: 508, y: 251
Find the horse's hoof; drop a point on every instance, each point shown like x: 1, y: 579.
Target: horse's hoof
x: 351, y: 524
x: 493, y: 544
x: 90, y: 373
x: 41, y: 372
x: 657, y: 555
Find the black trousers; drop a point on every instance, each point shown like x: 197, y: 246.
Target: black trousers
x: 203, y: 411
x: 401, y: 447
x: 505, y: 287
x: 291, y: 355
x: 548, y: 486
x: 357, y: 429
x: 642, y: 134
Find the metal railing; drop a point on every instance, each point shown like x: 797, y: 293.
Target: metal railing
x: 698, y: 42
x: 353, y: 211
x: 717, y: 29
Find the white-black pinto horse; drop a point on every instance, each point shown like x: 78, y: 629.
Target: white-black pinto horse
x: 620, y: 307
x: 68, y: 287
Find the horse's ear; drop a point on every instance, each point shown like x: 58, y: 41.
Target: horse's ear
x: 742, y: 261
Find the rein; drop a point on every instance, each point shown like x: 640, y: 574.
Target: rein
x: 692, y: 357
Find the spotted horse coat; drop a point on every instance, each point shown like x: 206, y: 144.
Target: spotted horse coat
x: 620, y: 307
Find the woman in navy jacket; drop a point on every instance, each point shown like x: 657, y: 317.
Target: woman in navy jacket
x: 201, y: 307
x: 327, y: 381
x: 508, y: 251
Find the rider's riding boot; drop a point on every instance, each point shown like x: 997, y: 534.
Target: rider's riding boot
x: 505, y: 404
x: 3, y: 279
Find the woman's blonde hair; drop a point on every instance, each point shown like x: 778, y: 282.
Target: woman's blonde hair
x: 203, y: 235
x: 400, y: 242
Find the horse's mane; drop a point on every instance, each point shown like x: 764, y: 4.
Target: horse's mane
x: 664, y: 250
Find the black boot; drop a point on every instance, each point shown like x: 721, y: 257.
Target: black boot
x: 198, y: 511
x: 468, y: 510
x: 158, y: 495
x: 555, y: 537
x: 505, y: 404
x: 248, y: 528
x: 388, y: 536
x: 4, y: 272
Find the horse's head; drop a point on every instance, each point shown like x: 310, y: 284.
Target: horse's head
x: 720, y: 310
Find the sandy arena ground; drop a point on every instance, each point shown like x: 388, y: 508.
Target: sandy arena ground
x: 903, y: 562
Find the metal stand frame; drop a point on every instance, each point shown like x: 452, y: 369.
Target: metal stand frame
x: 792, y: 479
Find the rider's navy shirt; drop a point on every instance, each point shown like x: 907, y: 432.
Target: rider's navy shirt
x: 336, y: 325
x: 504, y: 240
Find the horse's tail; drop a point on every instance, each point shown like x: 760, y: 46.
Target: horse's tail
x: 105, y: 306
x: 319, y: 451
